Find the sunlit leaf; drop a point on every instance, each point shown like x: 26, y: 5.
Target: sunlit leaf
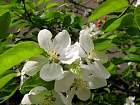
x: 4, y: 9
x: 132, y: 57
x: 137, y: 16
x: 107, y: 7
x: 52, y: 5
x: 125, y: 20
x: 103, y: 44
x: 18, y: 54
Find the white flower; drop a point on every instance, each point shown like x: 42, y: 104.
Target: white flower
x: 35, y: 96
x: 92, y: 30
x: 93, y: 74
x: 29, y: 68
x: 32, y: 66
x: 137, y: 3
x: 96, y: 73
x: 93, y: 68
x: 80, y: 85
x: 72, y: 84
x: 41, y: 96
x: 58, y: 49
x: 86, y: 47
x: 130, y: 101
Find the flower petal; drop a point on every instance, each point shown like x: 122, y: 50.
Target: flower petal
x: 99, y: 70
x: 83, y: 94
x: 70, y: 96
x: 97, y: 82
x: 30, y: 68
x: 38, y: 99
x: 44, y: 39
x: 36, y: 96
x: 60, y: 99
x: 26, y: 100
x: 51, y: 72
x: 64, y: 84
x: 61, y: 41
x: 37, y: 90
x: 86, y: 42
x: 70, y: 55
x: 137, y: 3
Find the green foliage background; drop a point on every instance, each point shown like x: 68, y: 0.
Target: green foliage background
x: 21, y: 20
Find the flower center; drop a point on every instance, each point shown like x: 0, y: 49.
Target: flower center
x: 79, y: 83
x: 48, y: 100
x: 75, y: 67
x: 92, y: 55
x: 53, y: 56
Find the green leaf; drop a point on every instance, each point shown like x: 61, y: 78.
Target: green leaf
x: 4, y: 24
x: 138, y: 74
x: 34, y: 81
x: 133, y: 31
x: 4, y: 80
x: 8, y: 90
x: 52, y: 5
x: 4, y: 9
x: 107, y: 23
x: 103, y: 44
x: 18, y: 54
x: 132, y: 57
x: 120, y: 22
x: 112, y: 68
x: 107, y: 7
x: 137, y: 16
x: 4, y: 46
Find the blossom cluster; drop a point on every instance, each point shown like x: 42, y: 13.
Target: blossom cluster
x: 130, y: 100
x: 74, y: 68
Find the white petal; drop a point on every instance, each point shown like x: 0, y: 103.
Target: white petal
x: 82, y: 52
x: 61, y: 41
x: 51, y: 72
x: 26, y: 100
x: 86, y: 72
x: 30, y: 68
x: 70, y: 96
x: 37, y: 99
x: 84, y: 66
x: 97, y: 82
x: 37, y: 90
x: 85, y: 75
x: 37, y: 95
x: 83, y: 94
x: 22, y: 80
x: 44, y: 39
x: 60, y: 99
x: 137, y: 3
x: 92, y: 27
x: 99, y: 70
x: 70, y: 55
x: 130, y: 100
x: 64, y: 84
x: 86, y: 42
